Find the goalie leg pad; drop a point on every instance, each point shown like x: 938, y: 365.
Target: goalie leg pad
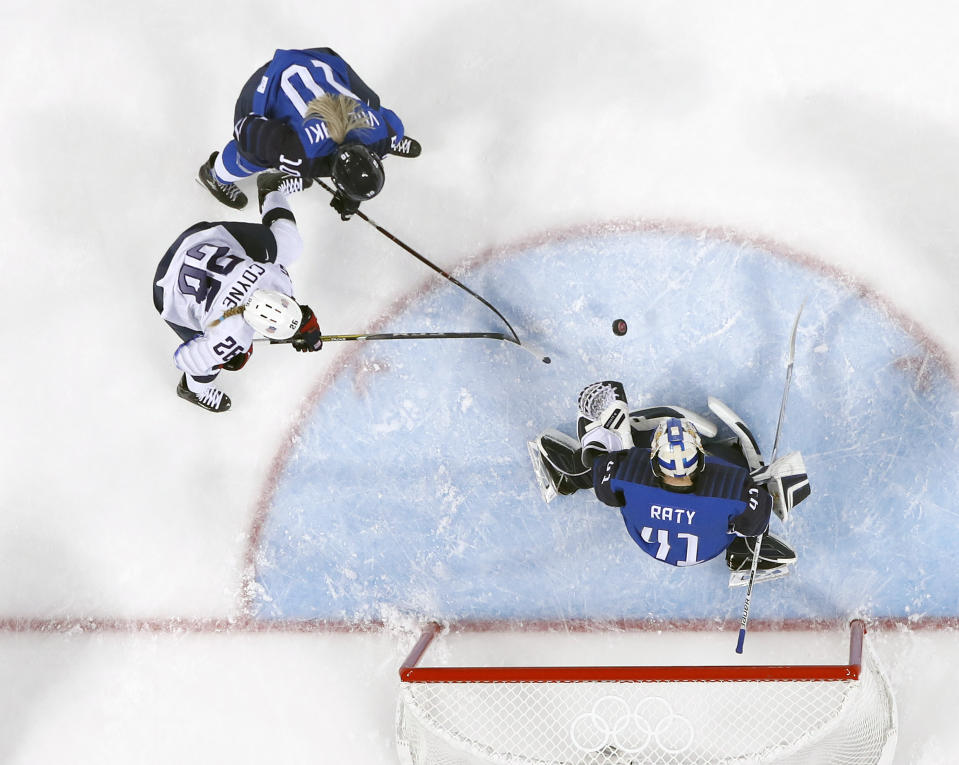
x: 747, y: 442
x: 650, y: 417
x: 559, y: 458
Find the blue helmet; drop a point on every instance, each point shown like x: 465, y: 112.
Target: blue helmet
x: 676, y: 449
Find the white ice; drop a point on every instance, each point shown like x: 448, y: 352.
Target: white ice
x: 830, y: 130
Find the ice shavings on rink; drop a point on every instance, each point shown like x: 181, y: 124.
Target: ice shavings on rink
x: 410, y: 488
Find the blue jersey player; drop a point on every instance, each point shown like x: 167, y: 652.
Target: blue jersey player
x: 308, y: 114
x: 682, y: 502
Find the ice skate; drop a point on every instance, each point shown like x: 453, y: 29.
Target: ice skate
x: 227, y: 193
x: 213, y: 400
x: 285, y: 183
x: 405, y: 147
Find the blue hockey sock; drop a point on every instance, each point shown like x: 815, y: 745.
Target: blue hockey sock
x: 230, y: 167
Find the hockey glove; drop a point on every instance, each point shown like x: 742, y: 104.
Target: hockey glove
x: 344, y: 206
x: 308, y: 337
x: 236, y: 363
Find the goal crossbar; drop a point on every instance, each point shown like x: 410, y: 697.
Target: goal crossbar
x: 410, y: 672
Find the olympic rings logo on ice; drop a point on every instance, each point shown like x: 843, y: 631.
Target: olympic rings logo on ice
x: 612, y: 724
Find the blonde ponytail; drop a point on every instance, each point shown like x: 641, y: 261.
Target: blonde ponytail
x: 228, y: 313
x: 340, y: 113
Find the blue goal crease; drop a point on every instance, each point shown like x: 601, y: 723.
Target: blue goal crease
x: 430, y: 506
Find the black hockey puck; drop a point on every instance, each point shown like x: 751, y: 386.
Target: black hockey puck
x: 547, y: 360
x: 619, y: 327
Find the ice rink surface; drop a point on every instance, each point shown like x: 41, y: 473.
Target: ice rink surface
x: 697, y: 170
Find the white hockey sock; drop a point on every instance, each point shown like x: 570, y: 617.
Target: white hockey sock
x: 199, y: 388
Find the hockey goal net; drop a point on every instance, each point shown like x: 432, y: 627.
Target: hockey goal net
x: 614, y: 715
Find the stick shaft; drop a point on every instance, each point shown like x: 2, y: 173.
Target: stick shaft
x: 749, y: 595
x: 401, y: 336
x: 779, y: 425
x: 421, y: 336
x: 396, y: 240
x: 789, y: 377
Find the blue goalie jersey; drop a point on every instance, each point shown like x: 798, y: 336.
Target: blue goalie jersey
x: 681, y: 528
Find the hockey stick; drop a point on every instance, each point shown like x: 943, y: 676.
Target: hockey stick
x: 413, y: 336
x: 779, y: 425
x: 449, y: 277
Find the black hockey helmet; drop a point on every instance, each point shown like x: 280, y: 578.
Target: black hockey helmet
x: 357, y: 172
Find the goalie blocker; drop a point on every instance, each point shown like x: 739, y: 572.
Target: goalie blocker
x: 685, y: 494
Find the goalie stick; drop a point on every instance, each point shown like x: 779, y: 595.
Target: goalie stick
x: 785, y: 478
x: 759, y: 539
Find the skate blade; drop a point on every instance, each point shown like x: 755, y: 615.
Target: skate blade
x: 741, y: 578
x: 546, y: 488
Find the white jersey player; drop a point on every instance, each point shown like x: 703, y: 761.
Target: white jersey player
x: 221, y: 283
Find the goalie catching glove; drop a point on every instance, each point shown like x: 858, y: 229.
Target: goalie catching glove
x: 603, y: 423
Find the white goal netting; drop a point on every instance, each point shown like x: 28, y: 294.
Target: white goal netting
x: 675, y: 721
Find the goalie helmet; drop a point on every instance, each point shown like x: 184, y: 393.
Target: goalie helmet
x: 357, y: 172
x: 273, y: 314
x: 676, y: 449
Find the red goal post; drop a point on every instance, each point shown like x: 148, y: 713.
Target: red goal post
x: 614, y: 715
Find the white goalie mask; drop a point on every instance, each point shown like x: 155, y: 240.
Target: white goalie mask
x: 676, y: 449
x: 273, y: 314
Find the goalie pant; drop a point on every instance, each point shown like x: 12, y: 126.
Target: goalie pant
x: 213, y: 267
x: 682, y: 527
x: 269, y: 129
